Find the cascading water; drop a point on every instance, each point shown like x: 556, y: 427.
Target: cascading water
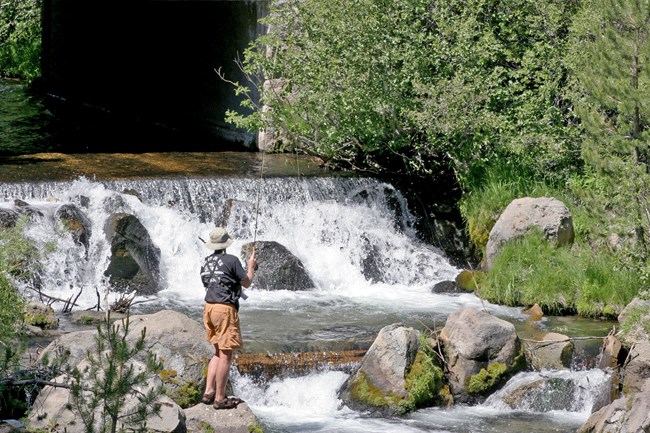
x: 356, y: 240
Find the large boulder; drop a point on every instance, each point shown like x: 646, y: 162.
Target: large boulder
x: 277, y: 268
x: 383, y: 381
x: 178, y: 341
x: 76, y: 222
x: 135, y: 260
x: 549, y: 215
x: 481, y: 352
x: 630, y: 414
x: 53, y: 407
x: 637, y: 367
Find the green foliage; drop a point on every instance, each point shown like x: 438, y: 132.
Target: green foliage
x: 100, y: 389
x: 255, y: 428
x: 561, y: 280
x: 482, y: 206
x: 20, y: 38
x: 609, y: 58
x: 424, y: 383
x: 487, y: 379
x: 393, y: 85
x: 636, y: 322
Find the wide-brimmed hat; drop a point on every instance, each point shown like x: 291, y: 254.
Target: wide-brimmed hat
x: 219, y: 239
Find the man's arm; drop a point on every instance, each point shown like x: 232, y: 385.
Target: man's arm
x: 250, y: 270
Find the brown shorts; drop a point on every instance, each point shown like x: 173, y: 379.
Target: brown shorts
x: 221, y: 323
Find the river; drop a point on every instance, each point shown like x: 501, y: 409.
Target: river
x: 332, y: 224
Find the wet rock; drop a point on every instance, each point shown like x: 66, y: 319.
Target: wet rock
x: 277, y: 269
x: 630, y: 414
x: 637, y: 368
x: 237, y: 217
x: 478, y: 346
x: 612, y: 354
x: 448, y: 287
x: 40, y: 315
x: 25, y: 208
x: 535, y: 312
x: 371, y: 264
x: 8, y: 218
x: 553, y: 352
x: 543, y: 395
x: 76, y: 222
x: 380, y: 382
x: 549, y: 215
x: 135, y: 260
x: 467, y: 280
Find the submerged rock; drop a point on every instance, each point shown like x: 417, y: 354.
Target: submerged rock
x: 277, y: 268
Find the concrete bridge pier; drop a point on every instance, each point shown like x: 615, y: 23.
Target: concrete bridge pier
x: 152, y: 63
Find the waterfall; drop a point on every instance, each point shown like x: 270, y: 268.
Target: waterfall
x: 331, y: 224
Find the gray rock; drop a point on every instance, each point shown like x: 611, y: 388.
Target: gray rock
x: 277, y: 268
x: 8, y: 218
x: 53, y: 406
x: 76, y: 222
x: 474, y: 339
x: 629, y: 414
x: 637, y: 368
x: 384, y: 367
x: 135, y: 260
x: 553, y: 352
x: 549, y: 215
x: 238, y: 420
x: 41, y: 315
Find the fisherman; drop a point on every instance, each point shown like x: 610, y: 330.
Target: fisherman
x: 223, y: 277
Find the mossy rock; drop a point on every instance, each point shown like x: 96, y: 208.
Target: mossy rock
x: 424, y: 387
x: 469, y: 280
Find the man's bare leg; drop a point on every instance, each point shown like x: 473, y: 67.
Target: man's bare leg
x: 222, y: 372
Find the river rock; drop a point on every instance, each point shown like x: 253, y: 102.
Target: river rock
x: 237, y: 215
x: 53, y: 407
x: 27, y: 209
x: 612, y: 354
x: 40, y: 315
x: 543, y: 395
x: 634, y: 316
x: 473, y: 341
x: 135, y: 260
x: 447, y: 287
x: 8, y: 218
x: 553, y: 352
x: 637, y: 368
x: 629, y: 414
x: 202, y: 418
x: 180, y: 342
x: 76, y: 222
x: 383, y: 371
x: 549, y: 215
x: 277, y: 268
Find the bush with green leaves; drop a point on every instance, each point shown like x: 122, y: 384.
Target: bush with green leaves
x: 20, y: 38
x: 402, y: 85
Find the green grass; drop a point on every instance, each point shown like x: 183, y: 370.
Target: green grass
x: 561, y: 280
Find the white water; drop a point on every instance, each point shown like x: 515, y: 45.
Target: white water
x: 332, y: 226
x: 309, y: 404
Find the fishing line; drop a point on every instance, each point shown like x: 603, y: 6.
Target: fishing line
x: 259, y: 189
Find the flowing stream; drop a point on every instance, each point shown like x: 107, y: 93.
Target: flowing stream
x: 334, y: 226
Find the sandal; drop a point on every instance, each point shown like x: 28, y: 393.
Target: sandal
x: 227, y: 403
x: 208, y: 398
